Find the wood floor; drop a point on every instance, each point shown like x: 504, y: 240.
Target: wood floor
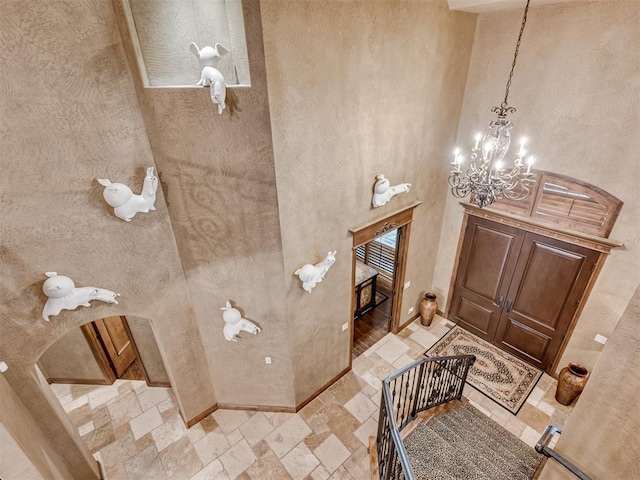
x: 371, y: 327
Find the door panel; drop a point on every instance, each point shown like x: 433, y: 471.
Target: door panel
x: 488, y: 258
x: 116, y: 341
x: 547, y: 284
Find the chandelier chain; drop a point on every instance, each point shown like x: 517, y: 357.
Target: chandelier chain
x: 515, y: 55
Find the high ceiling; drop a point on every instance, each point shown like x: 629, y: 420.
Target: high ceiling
x: 483, y: 6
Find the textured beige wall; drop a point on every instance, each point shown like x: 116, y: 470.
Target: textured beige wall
x: 24, y: 450
x: 165, y: 30
x: 577, y: 91
x: 357, y: 89
x: 150, y: 355
x: 70, y: 114
x: 605, y: 445
x: 70, y: 357
x: 219, y: 179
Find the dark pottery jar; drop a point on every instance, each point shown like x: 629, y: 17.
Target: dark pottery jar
x: 428, y: 308
x: 571, y: 382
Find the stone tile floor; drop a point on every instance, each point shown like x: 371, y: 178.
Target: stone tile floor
x: 136, y: 432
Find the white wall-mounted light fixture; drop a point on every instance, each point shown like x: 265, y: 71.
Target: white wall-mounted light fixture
x: 210, y: 76
x: 63, y: 295
x: 311, y: 274
x: 124, y: 202
x: 234, y: 323
x: 383, y: 191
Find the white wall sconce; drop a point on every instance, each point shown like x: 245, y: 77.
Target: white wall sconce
x: 311, y: 274
x: 63, y: 295
x: 124, y: 202
x: 210, y: 76
x: 234, y: 323
x: 383, y: 191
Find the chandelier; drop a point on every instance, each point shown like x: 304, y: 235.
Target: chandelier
x: 487, y: 179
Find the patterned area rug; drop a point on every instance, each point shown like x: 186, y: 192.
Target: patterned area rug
x: 499, y: 375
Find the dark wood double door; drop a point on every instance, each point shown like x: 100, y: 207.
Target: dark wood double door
x: 519, y: 290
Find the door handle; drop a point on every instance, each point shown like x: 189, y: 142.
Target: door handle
x: 509, y: 304
x: 500, y: 300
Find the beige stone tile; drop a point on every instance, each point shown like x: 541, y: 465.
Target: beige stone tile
x: 358, y: 464
x: 118, y: 451
x: 287, y: 435
x: 102, y: 395
x: 310, y: 408
x: 315, y: 439
x: 180, y: 457
x: 243, y: 476
x: 530, y: 436
x: 213, y: 471
x: 346, y: 387
x: 124, y: 407
x: 256, y: 428
x: 268, y: 467
x: 100, y: 416
x: 360, y: 407
x: 361, y: 364
x: 234, y: 437
x: 152, y: 396
x: 81, y: 415
x: 320, y: 473
x: 533, y: 417
x: 238, y: 458
x: 546, y: 382
x: 341, y: 474
x: 536, y: 396
x: 99, y: 437
x: 145, y: 422
x: 208, y: 424
x: 86, y: 428
x: 278, y: 418
x: 371, y: 379
x: 196, y: 433
x: 515, y: 426
x: 229, y: 420
x: 299, y: 462
x: 211, y: 447
x: 425, y: 338
x: 116, y: 473
x: 546, y: 408
x: 317, y: 424
x: 352, y: 443
x: 145, y: 464
x: 332, y: 453
x: 368, y: 429
x: 403, y: 361
x: 145, y: 441
x: 339, y: 420
x: 392, y: 350
x: 261, y: 449
x: 169, y: 432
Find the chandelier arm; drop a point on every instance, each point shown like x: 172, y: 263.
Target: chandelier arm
x: 515, y: 55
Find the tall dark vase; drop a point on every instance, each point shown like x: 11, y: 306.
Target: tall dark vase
x: 428, y: 308
x: 571, y: 382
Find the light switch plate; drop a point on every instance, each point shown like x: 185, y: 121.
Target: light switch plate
x: 407, y: 284
x: 601, y: 339
x: 267, y: 360
x: 345, y: 326
x: 411, y: 310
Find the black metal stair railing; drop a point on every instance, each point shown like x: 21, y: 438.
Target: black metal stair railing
x: 421, y: 385
x: 543, y: 447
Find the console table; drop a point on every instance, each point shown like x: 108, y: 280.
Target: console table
x: 366, y: 278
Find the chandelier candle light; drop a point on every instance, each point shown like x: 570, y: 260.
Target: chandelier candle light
x: 487, y: 179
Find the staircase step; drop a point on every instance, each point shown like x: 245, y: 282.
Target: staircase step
x: 464, y: 444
